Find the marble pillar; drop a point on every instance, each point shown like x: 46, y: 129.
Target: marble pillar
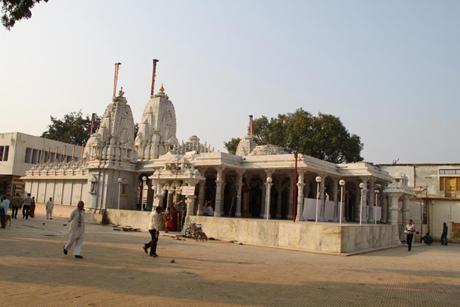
x: 239, y: 187
x: 201, y: 198
x: 219, y: 193
x: 300, y: 185
x: 268, y: 188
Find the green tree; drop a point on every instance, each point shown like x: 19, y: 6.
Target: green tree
x: 15, y: 10
x: 73, y: 128
x: 322, y: 136
x: 232, y: 145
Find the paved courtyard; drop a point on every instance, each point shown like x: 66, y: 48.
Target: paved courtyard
x: 116, y: 272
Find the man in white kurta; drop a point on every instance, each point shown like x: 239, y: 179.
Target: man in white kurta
x: 49, y: 209
x: 77, y: 230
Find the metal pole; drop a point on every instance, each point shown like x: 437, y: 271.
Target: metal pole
x: 317, y: 201
x: 294, y: 187
x: 119, y: 195
x: 421, y: 223
x: 361, y: 208
x: 376, y: 206
x: 341, y: 204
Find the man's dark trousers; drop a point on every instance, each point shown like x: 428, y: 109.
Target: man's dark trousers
x: 25, y: 212
x: 14, y: 212
x: 409, y: 241
x: 153, y: 242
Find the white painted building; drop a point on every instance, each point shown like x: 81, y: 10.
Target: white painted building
x: 20, y: 151
x: 436, y: 188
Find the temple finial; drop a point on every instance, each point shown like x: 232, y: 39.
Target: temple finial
x: 120, y: 92
x: 162, y: 88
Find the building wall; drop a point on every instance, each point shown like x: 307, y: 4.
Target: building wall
x: 444, y: 211
x: 19, y: 142
x: 425, y: 180
x: 63, y: 191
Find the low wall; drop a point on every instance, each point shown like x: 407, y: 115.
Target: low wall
x: 58, y: 210
x: 136, y: 219
x: 329, y: 238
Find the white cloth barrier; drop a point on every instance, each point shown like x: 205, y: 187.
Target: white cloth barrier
x: 378, y: 213
x: 329, y: 210
x: 309, y: 209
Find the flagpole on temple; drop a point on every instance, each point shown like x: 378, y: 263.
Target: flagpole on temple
x: 115, y: 78
x: 154, y: 72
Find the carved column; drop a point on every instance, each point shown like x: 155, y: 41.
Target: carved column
x: 300, y: 185
x: 279, y: 189
x: 170, y: 197
x: 371, y: 199
x: 201, y: 198
x: 262, y: 202
x: 219, y: 193
x: 336, y: 190
x: 365, y: 191
x: 239, y: 187
x: 190, y: 202
x: 268, y: 188
x: 336, y: 198
x: 322, y: 191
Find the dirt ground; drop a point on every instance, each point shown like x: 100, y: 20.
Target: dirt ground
x: 115, y: 271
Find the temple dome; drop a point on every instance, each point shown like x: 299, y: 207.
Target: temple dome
x: 113, y: 142
x: 157, y: 131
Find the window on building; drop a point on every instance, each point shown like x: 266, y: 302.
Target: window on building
x: 28, y: 158
x: 451, y: 171
x: 4, y: 150
x: 34, y: 156
x: 450, y: 186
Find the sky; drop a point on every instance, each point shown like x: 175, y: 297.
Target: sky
x: 388, y: 69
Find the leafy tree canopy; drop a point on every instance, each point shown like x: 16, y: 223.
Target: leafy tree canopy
x: 232, y: 145
x: 73, y: 128
x: 14, y: 10
x: 322, y: 136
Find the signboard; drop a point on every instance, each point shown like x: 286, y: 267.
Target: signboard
x: 188, y: 190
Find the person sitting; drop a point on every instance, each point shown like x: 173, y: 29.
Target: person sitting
x: 427, y: 239
x: 209, y: 211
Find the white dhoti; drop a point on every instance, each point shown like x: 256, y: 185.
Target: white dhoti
x: 49, y: 209
x: 77, y: 231
x: 74, y: 242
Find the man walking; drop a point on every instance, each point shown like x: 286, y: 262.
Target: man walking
x: 15, y: 205
x: 77, y: 230
x: 26, y: 206
x: 49, y: 209
x: 410, y: 230
x: 154, y: 226
x: 444, y: 234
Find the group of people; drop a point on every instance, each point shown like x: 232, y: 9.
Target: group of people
x: 27, y: 204
x: 427, y: 239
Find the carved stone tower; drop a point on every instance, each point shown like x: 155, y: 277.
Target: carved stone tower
x: 157, y: 129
